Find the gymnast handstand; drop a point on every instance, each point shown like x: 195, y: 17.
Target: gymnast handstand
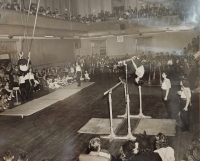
x: 133, y: 65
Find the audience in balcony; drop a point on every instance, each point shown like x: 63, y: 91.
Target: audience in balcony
x: 185, y: 9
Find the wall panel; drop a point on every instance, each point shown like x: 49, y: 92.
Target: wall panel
x: 169, y: 42
x: 83, y: 7
x: 64, y: 6
x: 57, y: 6
x: 51, y: 52
x: 107, y: 5
x: 95, y: 6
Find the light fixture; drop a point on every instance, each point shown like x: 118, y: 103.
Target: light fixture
x: 107, y: 36
x: 4, y: 35
x: 48, y: 36
x: 173, y: 31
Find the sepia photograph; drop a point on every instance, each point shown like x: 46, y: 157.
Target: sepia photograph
x: 99, y: 80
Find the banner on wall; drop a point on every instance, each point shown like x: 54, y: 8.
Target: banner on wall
x: 4, y: 56
x: 120, y: 38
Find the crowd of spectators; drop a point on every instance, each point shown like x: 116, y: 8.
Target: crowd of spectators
x: 185, y: 9
x: 144, y: 148
x: 52, y: 78
x: 192, y: 47
x: 8, y: 156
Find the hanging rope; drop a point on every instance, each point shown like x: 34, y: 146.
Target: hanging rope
x: 22, y: 25
x: 25, y: 25
x: 34, y: 26
x: 23, y: 63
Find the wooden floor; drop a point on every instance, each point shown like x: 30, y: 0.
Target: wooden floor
x: 52, y: 132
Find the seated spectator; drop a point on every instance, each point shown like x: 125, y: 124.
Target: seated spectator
x: 55, y: 13
x: 50, y: 83
x: 86, y: 76
x: 33, y: 8
x: 8, y: 7
x: 37, y: 86
x: 128, y: 151
x: 7, y: 87
x: 4, y: 92
x: 8, y: 156
x: 3, y: 5
x: 22, y: 157
x: 163, y: 149
x: 16, y: 70
x: 44, y: 83
x: 16, y: 7
x: 96, y: 153
x: 69, y: 79
x: 58, y: 81
x: 41, y: 10
x: 48, y: 11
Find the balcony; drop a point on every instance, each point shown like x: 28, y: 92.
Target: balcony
x: 135, y: 23
x: 12, y: 23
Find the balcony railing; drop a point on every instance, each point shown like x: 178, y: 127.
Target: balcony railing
x: 132, y: 23
x: 16, y: 21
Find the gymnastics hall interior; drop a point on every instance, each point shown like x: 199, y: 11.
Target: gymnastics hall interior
x: 57, y: 124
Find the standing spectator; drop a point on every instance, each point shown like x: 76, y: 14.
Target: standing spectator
x: 78, y: 73
x: 87, y: 63
x: 185, y: 98
x: 186, y: 67
x: 166, y: 85
x: 31, y: 82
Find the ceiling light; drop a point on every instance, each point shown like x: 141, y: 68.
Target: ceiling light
x: 48, y: 36
x: 173, y: 31
x: 107, y: 36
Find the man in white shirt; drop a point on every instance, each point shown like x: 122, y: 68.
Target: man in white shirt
x: 166, y: 85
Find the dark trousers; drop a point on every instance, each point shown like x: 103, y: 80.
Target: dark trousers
x: 31, y: 88
x: 23, y: 91
x: 78, y: 77
x: 27, y: 86
x: 168, y: 107
x: 184, y: 115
